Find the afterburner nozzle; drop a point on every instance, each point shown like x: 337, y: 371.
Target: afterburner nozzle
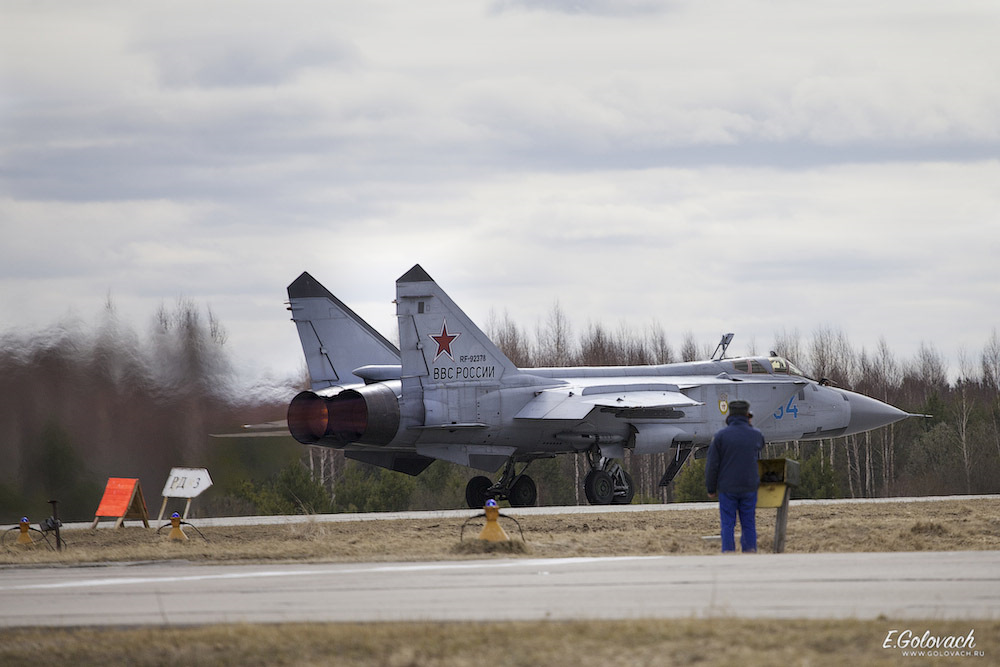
x: 367, y: 415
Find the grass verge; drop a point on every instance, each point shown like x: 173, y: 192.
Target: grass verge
x: 727, y: 641
x: 953, y: 525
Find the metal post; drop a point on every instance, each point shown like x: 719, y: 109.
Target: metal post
x: 55, y: 520
x: 781, y: 522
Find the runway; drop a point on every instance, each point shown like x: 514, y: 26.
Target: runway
x: 912, y: 585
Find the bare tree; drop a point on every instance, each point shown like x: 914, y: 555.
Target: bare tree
x: 632, y: 349
x: 659, y: 345
x: 554, y: 344
x: 689, y: 348
x: 787, y: 344
x: 822, y: 353
x: 889, y: 378
x: 930, y: 368
x: 509, y: 338
x: 991, y: 363
x: 596, y: 347
x: 991, y: 383
x: 964, y: 406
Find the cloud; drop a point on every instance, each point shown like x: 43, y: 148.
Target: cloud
x: 209, y: 64
x: 151, y: 104
x: 604, y: 8
x: 753, y: 166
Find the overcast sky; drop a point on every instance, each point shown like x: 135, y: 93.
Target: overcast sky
x: 755, y: 167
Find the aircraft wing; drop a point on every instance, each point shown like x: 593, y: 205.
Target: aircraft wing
x: 275, y: 429
x: 577, y: 402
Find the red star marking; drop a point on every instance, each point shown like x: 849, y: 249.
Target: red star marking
x: 444, y: 341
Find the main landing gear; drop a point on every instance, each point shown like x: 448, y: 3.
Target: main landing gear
x: 607, y: 482
x: 517, y: 488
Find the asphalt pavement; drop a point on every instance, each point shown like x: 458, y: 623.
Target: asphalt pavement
x: 912, y: 585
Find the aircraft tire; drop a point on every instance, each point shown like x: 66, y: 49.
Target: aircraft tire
x: 523, y: 493
x: 599, y: 487
x: 476, y: 491
x: 626, y: 499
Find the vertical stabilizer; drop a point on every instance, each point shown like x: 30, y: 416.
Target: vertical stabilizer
x: 440, y: 344
x: 334, y: 338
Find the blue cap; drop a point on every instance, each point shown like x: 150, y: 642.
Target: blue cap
x: 491, y: 503
x: 175, y: 515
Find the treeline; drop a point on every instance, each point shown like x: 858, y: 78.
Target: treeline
x: 80, y: 403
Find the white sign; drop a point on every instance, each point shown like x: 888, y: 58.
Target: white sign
x: 186, y: 482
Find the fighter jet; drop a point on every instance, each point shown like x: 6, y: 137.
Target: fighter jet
x: 449, y: 393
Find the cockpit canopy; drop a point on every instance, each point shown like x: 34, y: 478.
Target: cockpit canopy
x: 782, y: 365
x: 778, y: 366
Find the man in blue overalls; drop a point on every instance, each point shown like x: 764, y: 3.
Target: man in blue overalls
x: 731, y: 472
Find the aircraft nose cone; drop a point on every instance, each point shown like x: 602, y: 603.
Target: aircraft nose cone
x: 868, y: 413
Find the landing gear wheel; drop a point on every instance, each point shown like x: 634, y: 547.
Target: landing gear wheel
x: 599, y: 488
x: 523, y: 493
x: 476, y: 492
x: 626, y: 498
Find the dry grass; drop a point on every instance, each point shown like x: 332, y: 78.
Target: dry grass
x: 597, y: 643
x: 955, y: 525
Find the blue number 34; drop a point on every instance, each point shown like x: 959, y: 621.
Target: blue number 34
x: 790, y: 409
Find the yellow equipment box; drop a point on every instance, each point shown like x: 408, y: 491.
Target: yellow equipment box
x: 776, y: 476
